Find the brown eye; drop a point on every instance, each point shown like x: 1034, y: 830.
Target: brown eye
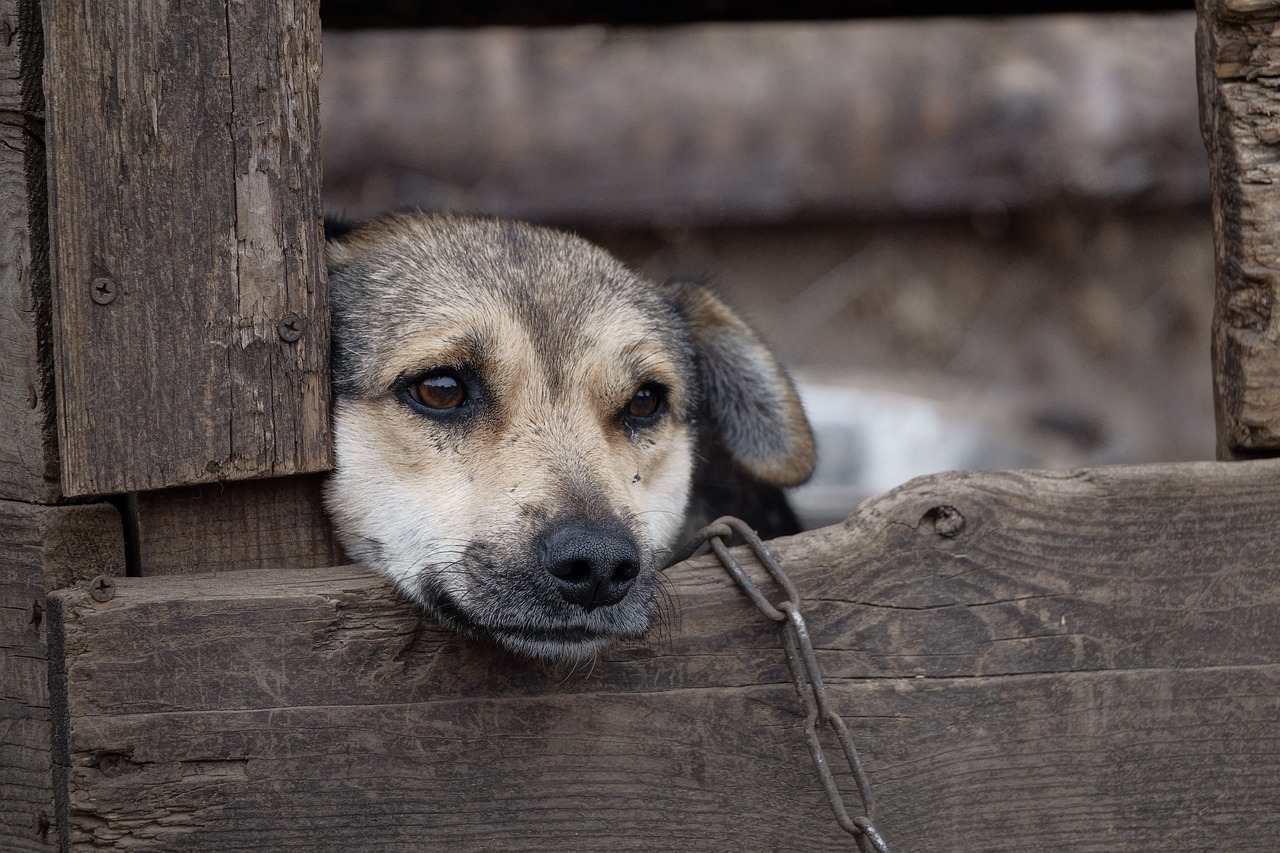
x: 647, y: 402
x: 439, y: 390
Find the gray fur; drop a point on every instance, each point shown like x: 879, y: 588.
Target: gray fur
x: 530, y: 316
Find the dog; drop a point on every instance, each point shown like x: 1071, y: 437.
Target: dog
x: 522, y: 426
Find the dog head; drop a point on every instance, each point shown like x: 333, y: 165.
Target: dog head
x: 516, y: 418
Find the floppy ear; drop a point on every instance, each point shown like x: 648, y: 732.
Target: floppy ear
x: 748, y: 402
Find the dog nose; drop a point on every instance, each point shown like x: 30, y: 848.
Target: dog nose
x: 590, y: 566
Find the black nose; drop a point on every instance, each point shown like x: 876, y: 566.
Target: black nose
x: 592, y: 567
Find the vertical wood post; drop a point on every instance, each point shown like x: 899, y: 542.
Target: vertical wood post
x: 41, y: 548
x: 190, y: 317
x: 28, y: 450
x: 1239, y: 70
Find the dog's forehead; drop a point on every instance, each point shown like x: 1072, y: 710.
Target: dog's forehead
x: 424, y: 282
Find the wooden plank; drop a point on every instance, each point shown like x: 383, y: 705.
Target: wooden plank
x: 1132, y: 761
x: 41, y: 548
x: 28, y: 448
x: 254, y: 524
x: 184, y: 193
x: 1240, y: 118
x: 707, y: 125
x: 1085, y: 659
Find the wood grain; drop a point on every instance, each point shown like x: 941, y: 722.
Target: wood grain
x: 183, y: 172
x: 1085, y: 659
x: 28, y: 445
x: 41, y: 548
x: 1240, y: 118
x: 708, y: 125
x: 254, y: 524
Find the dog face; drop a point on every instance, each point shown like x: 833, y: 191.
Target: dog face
x: 515, y: 423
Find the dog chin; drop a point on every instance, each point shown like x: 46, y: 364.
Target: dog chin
x: 543, y: 639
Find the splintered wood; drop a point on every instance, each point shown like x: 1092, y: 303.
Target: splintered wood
x: 1083, y: 660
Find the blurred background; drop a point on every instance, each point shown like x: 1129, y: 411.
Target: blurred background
x: 978, y: 243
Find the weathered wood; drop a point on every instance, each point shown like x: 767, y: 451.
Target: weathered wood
x: 1240, y: 119
x: 184, y: 193
x: 41, y: 548
x: 254, y: 524
x: 1133, y: 761
x: 1086, y: 659
x: 28, y: 449
x: 706, y: 125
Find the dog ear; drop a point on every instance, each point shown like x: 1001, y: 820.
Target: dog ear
x: 749, y: 402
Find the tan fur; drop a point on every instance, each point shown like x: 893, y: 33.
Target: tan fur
x: 558, y: 337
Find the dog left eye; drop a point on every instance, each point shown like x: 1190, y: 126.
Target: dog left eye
x: 647, y: 402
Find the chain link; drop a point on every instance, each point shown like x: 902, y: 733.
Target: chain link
x: 803, y: 662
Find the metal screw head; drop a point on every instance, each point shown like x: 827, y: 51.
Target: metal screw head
x: 102, y: 588
x: 103, y: 291
x: 291, y: 327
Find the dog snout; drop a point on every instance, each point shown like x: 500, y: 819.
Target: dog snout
x: 591, y: 567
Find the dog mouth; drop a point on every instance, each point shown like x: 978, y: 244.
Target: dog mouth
x: 545, y: 637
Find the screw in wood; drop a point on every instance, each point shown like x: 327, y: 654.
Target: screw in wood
x: 103, y: 291
x: 291, y: 327
x: 102, y: 588
x: 41, y: 824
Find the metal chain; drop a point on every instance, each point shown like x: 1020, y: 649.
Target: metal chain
x: 803, y: 662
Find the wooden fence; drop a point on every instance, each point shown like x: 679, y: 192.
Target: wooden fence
x: 1080, y: 659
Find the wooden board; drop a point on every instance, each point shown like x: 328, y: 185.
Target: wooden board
x: 185, y: 189
x: 1083, y: 659
x: 1240, y: 115
x: 707, y: 125
x: 41, y: 548
x: 254, y: 524
x: 28, y: 448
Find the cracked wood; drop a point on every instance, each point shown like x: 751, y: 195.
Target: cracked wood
x: 28, y: 448
x: 1239, y: 60
x: 1086, y: 659
x: 183, y: 168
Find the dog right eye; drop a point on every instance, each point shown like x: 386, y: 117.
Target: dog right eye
x: 439, y: 390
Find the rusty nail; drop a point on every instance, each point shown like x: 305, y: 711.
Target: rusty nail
x: 41, y: 824
x: 102, y: 588
x: 291, y: 326
x: 947, y: 521
x: 103, y: 291
x: 35, y: 613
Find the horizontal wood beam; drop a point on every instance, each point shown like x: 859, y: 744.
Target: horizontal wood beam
x: 278, y: 523
x: 190, y: 316
x: 1012, y: 679
x: 713, y: 125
